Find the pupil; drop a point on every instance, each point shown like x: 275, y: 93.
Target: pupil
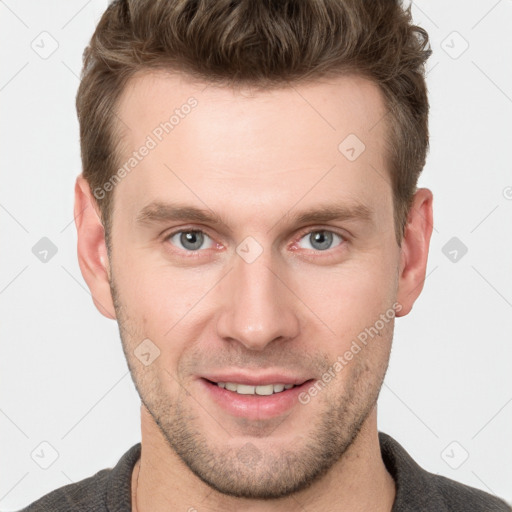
x: 323, y: 239
x: 194, y: 239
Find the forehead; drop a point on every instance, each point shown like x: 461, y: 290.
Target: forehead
x: 213, y: 146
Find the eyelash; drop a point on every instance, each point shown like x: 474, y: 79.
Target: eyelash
x: 197, y: 253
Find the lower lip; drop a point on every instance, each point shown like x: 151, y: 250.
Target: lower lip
x: 255, y: 407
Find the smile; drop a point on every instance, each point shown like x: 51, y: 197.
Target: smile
x: 255, y: 401
x: 264, y: 390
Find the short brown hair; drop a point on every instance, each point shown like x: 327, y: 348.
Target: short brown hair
x: 263, y: 44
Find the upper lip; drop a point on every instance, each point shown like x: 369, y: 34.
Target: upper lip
x: 255, y: 380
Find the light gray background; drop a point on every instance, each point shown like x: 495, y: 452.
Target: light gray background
x: 64, y: 380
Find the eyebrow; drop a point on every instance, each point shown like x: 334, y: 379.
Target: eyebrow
x: 159, y: 212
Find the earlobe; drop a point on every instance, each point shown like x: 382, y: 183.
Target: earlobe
x: 414, y: 250
x: 91, y: 247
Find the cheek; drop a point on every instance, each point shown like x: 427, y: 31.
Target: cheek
x: 351, y: 297
x: 160, y: 300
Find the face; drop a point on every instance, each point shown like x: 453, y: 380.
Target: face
x: 249, y: 247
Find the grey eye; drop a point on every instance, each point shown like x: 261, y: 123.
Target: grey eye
x: 320, y: 240
x: 190, y: 240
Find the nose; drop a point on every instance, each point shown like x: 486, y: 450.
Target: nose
x: 257, y: 306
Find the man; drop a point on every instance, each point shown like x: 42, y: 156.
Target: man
x: 248, y: 213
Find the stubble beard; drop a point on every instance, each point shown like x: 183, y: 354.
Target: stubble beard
x: 247, y: 469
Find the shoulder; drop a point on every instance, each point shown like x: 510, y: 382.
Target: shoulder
x: 87, y: 494
x: 418, y: 489
x: 460, y: 497
x: 108, y: 489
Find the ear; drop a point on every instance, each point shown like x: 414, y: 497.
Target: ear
x: 92, y: 249
x: 414, y: 250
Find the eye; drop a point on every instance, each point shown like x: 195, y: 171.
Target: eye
x: 193, y: 240
x: 320, y: 239
x: 190, y: 240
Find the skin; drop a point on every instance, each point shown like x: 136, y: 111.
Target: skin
x: 255, y: 158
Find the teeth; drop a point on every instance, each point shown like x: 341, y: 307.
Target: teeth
x: 244, y: 389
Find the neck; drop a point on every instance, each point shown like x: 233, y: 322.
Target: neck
x: 358, y: 482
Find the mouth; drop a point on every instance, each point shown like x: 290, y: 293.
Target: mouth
x: 261, y: 390
x: 255, y: 401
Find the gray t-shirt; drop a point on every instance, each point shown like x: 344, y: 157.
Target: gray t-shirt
x: 417, y: 490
